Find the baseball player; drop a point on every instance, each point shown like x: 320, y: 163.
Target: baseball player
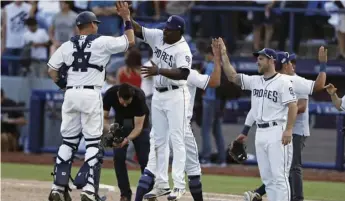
x: 84, y: 57
x: 338, y: 103
x: 193, y: 169
x: 274, y: 106
x: 169, y: 108
x: 303, y: 88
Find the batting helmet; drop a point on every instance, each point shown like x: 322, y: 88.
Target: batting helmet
x: 86, y: 17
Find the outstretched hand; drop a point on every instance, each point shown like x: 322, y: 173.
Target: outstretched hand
x: 148, y: 71
x: 323, y: 54
x: 123, y: 10
x: 330, y: 88
x: 215, y: 48
x: 222, y: 46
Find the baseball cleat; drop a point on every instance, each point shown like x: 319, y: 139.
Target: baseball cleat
x: 87, y: 196
x: 56, y: 195
x: 176, y: 194
x: 157, y: 192
x: 252, y: 196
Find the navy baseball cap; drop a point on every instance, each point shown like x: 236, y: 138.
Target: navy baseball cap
x: 86, y: 17
x: 283, y: 58
x: 267, y: 52
x: 175, y: 22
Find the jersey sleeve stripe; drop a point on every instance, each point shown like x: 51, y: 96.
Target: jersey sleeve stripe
x: 206, y: 83
x: 143, y: 31
x: 243, y: 87
x: 312, y: 88
x: 127, y: 43
x: 289, y: 101
x: 183, y: 67
x: 51, y: 66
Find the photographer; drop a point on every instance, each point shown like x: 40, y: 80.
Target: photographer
x: 132, y: 115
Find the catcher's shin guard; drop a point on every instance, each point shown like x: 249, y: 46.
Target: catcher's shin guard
x: 195, y: 187
x: 64, y: 160
x: 88, y: 177
x: 146, y: 183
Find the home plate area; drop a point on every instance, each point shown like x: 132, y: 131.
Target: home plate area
x: 29, y: 190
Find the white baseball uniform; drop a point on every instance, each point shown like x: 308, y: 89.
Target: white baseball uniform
x: 82, y: 109
x: 342, y: 106
x: 269, y: 99
x: 169, y: 108
x: 194, y: 80
x: 303, y: 88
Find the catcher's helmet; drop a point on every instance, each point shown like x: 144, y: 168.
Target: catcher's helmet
x: 86, y: 17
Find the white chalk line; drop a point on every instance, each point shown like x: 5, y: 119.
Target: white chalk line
x: 208, y: 196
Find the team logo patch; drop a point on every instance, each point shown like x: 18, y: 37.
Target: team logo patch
x: 188, y: 59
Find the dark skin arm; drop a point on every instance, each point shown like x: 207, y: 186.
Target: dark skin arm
x: 137, y: 29
x: 171, y: 73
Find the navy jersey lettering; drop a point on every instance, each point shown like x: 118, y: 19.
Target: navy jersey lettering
x: 271, y: 95
x: 162, y: 55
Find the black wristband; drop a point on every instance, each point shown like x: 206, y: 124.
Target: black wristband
x: 245, y: 130
x: 61, y: 83
x: 128, y: 25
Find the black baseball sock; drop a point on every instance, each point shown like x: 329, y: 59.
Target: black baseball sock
x: 146, y: 183
x: 261, y: 190
x: 195, y: 187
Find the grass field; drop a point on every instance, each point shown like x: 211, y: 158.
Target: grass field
x: 211, y: 183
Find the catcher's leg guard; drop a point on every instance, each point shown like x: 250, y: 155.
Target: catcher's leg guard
x: 195, y: 187
x: 62, y: 169
x: 146, y: 183
x: 88, y: 177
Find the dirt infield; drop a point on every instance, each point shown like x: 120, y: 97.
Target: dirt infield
x: 233, y: 170
x: 28, y: 190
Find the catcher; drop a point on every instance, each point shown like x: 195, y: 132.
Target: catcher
x: 132, y: 124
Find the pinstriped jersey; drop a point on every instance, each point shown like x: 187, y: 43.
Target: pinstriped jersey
x: 269, y: 97
x: 195, y: 80
x: 177, y: 55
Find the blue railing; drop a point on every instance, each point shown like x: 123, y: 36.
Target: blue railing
x: 292, y: 12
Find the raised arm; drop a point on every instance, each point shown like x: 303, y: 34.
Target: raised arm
x: 337, y: 102
x: 123, y: 11
x: 137, y: 29
x: 321, y: 78
x: 229, y: 70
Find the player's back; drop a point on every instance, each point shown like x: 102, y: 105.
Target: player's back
x: 97, y: 52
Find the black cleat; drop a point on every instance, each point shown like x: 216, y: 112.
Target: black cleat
x: 56, y: 195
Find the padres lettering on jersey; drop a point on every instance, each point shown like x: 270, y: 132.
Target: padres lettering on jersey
x: 96, y: 52
x: 195, y: 80
x: 176, y: 55
x: 269, y: 97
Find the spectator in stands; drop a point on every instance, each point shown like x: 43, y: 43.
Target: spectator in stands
x: 131, y: 73
x: 211, y: 119
x: 80, y: 6
x: 10, y: 120
x: 63, y: 26
x: 285, y: 27
x: 13, y: 18
x: 178, y: 7
x: 106, y: 13
x: 38, y: 40
x: 337, y: 20
x: 263, y: 18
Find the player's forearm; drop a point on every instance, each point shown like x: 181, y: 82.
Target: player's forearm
x: 301, y: 105
x: 53, y: 74
x: 174, y: 73
x: 336, y: 101
x: 215, y: 76
x: 137, y: 29
x: 135, y: 132
x: 229, y: 70
x: 320, y: 82
x: 292, y: 113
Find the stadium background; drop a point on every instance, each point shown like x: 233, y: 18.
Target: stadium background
x: 40, y: 100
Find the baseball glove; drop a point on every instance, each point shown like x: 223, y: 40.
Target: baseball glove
x: 237, y: 151
x: 114, y: 136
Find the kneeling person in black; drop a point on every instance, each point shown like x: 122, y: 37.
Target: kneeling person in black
x: 131, y: 113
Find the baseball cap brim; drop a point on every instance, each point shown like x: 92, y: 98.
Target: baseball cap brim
x: 96, y: 21
x: 261, y: 52
x: 292, y: 57
x: 171, y: 27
